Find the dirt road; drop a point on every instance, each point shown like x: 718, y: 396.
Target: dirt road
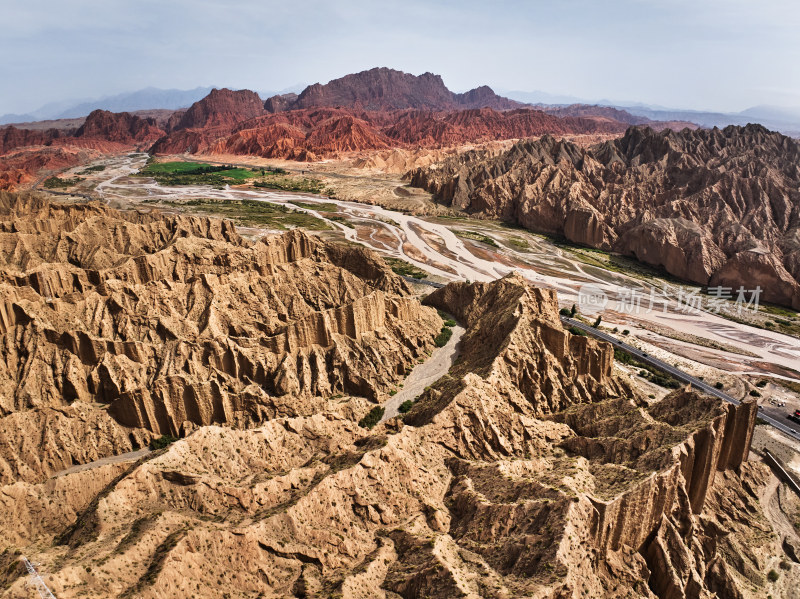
x: 425, y: 374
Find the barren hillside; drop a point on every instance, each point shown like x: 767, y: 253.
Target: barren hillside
x: 714, y: 207
x: 529, y: 469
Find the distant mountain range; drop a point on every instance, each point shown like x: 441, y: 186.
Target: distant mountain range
x: 143, y: 99
x: 777, y: 118
x: 150, y: 98
x: 785, y: 120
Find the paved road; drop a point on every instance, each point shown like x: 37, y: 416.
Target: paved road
x: 678, y: 374
x: 423, y: 282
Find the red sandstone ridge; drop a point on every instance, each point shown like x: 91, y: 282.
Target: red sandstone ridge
x: 372, y: 110
x: 26, y: 153
x: 375, y: 109
x: 388, y: 89
x: 121, y: 127
x: 614, y: 114
x: 11, y: 137
x: 20, y: 167
x: 100, y: 125
x: 308, y: 134
x: 214, y: 117
x: 485, y: 124
x: 222, y: 108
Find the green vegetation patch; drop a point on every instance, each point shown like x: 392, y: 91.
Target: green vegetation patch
x: 254, y: 213
x: 56, y: 183
x: 791, y: 385
x: 288, y: 183
x: 773, y: 576
x: 405, y: 269
x: 646, y: 371
x: 372, y: 418
x: 97, y: 168
x: 318, y: 206
x: 778, y: 310
x: 474, y: 236
x: 443, y: 337
x: 405, y: 406
x: 340, y: 219
x: 162, y: 442
x: 194, y: 173
x: 518, y: 244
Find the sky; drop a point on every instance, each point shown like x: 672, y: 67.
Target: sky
x: 723, y: 55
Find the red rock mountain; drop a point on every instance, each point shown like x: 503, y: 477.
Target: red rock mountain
x: 26, y: 154
x: 376, y: 109
x: 388, y: 89
x: 717, y: 207
x: 120, y: 127
x: 222, y: 108
x: 312, y: 133
x: 372, y: 110
x: 11, y: 137
x: 20, y: 166
x: 484, y: 124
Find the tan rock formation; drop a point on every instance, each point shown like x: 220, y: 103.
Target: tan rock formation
x: 172, y: 322
x: 552, y: 482
x: 709, y: 206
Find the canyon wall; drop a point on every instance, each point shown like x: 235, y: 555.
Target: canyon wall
x: 169, y: 322
x: 718, y: 208
x: 532, y: 468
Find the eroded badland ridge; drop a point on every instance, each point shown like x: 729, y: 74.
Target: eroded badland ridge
x: 532, y: 468
x: 713, y: 207
x: 709, y: 206
x: 128, y: 325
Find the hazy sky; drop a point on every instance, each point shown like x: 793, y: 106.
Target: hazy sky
x: 705, y: 54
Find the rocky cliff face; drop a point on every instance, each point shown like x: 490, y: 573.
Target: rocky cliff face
x: 176, y: 322
x: 310, y: 134
x: 714, y: 207
x: 529, y: 470
x: 12, y: 137
x: 119, y: 127
x: 516, y: 342
x: 222, y: 108
x: 388, y: 89
x: 20, y: 167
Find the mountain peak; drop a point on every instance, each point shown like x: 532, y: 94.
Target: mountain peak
x: 382, y: 88
x: 222, y: 107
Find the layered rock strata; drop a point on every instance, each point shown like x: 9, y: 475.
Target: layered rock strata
x: 118, y: 326
x: 709, y: 206
x: 556, y: 483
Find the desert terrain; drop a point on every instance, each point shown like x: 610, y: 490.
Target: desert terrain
x: 259, y: 349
